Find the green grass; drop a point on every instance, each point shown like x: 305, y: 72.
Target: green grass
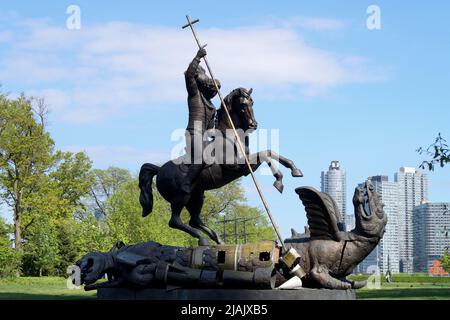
x: 409, y: 278
x: 40, y: 288
x: 55, y: 288
x: 417, y: 286
x: 406, y: 291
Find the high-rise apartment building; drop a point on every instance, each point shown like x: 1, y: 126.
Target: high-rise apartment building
x: 431, y: 225
x: 388, y: 248
x: 413, y: 191
x: 334, y: 183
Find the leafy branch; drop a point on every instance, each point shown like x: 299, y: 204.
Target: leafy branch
x: 438, y: 151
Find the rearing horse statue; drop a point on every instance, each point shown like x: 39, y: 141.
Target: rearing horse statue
x: 215, y: 175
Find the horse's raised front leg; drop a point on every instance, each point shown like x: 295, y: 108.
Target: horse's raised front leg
x: 285, y: 162
x: 176, y: 223
x: 256, y: 159
x: 194, y: 206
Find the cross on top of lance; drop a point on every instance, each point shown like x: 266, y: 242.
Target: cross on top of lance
x: 190, y: 23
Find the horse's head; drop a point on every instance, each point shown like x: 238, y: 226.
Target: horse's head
x: 240, y: 106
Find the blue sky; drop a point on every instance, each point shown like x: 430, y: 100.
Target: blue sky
x: 334, y: 89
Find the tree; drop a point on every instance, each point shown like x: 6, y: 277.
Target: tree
x: 68, y: 247
x: 445, y: 261
x: 439, y: 152
x: 57, y: 201
x: 9, y: 258
x: 221, y: 201
x: 92, y: 234
x: 40, y: 255
x: 71, y: 178
x: 59, y: 192
x: 105, y: 184
x: 25, y: 153
x: 43, y: 186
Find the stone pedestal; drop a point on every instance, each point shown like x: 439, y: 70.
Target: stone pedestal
x: 223, y: 294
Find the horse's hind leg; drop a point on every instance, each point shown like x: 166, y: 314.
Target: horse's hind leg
x: 176, y: 223
x: 263, y: 156
x: 194, y: 206
x: 286, y: 163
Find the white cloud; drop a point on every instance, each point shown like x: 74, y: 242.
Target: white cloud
x: 99, y: 71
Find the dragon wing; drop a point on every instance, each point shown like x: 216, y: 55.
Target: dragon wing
x: 322, y: 213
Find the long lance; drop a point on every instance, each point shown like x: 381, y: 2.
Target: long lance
x: 258, y: 188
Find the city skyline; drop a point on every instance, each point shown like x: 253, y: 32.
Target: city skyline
x: 397, y: 250
x: 417, y: 231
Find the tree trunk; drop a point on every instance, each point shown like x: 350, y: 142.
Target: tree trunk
x: 17, y: 227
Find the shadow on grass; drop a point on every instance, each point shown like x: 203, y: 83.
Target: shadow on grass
x: 405, y: 294
x: 39, y: 296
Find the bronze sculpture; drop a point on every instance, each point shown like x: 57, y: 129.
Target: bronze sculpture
x: 322, y: 257
x: 171, y: 176
x: 327, y: 254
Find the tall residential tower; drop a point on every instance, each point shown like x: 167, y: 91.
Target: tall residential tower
x: 388, y: 246
x: 413, y: 191
x: 334, y: 183
x: 431, y: 223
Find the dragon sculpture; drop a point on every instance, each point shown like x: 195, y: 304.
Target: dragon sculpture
x: 327, y: 254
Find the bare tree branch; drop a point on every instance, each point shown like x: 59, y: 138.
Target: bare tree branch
x: 41, y: 109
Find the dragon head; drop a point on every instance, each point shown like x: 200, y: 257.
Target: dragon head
x: 369, y: 214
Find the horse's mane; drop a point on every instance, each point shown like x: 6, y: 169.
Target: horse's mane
x: 228, y: 102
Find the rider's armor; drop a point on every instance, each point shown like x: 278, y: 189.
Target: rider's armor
x: 201, y: 118
x: 200, y: 88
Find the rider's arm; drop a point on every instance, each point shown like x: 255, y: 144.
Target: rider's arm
x: 189, y: 74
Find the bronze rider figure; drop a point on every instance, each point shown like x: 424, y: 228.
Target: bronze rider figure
x: 202, y: 114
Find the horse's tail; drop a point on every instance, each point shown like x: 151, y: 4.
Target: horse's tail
x: 148, y: 171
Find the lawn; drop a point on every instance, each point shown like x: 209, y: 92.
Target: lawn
x: 49, y: 288
x: 407, y: 291
x: 407, y: 287
x: 40, y: 288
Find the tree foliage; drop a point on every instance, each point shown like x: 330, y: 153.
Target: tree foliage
x: 9, y: 258
x: 105, y: 183
x: 439, y: 153
x: 25, y: 153
x: 126, y: 224
x: 445, y: 261
x: 92, y: 234
x: 40, y: 254
x: 43, y: 186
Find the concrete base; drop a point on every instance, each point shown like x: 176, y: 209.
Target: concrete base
x: 223, y: 294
